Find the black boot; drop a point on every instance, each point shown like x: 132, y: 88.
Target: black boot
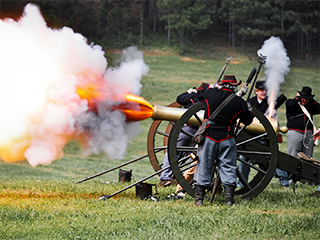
x: 199, y: 195
x: 229, y: 194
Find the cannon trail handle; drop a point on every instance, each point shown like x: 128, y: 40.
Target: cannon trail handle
x: 111, y: 169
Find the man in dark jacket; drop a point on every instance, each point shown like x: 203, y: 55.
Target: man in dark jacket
x: 299, y: 110
x: 186, y: 99
x: 220, y: 144
x: 260, y: 102
x: 300, y: 127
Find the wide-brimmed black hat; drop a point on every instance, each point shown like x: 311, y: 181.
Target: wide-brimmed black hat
x: 203, y: 85
x: 229, y: 79
x: 306, y: 93
x: 261, y: 85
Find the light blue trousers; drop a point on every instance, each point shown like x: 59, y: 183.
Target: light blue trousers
x: 300, y: 142
x: 183, y: 140
x: 225, y: 153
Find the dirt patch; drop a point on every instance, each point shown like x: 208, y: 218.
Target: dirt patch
x: 188, y: 59
x: 192, y: 60
x: 235, y: 62
x: 157, y: 52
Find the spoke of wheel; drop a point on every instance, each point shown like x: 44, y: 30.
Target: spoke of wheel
x: 162, y: 133
x: 252, y: 166
x: 160, y: 148
x: 252, y: 139
x: 254, y: 153
x: 197, y: 117
x: 184, y: 164
x: 184, y: 158
x: 187, y: 133
x: 243, y: 181
x: 191, y: 166
x: 240, y: 131
x: 156, y: 151
x: 185, y: 149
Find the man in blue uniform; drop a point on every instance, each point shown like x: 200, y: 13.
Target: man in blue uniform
x: 260, y: 102
x: 186, y: 99
x: 220, y: 144
x: 299, y: 110
x: 299, y: 136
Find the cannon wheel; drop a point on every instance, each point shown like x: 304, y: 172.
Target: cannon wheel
x: 157, y: 141
x: 264, y: 157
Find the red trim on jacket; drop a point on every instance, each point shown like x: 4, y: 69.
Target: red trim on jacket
x: 208, y: 108
x: 297, y: 130
x: 227, y: 89
x: 234, y: 116
x: 221, y: 139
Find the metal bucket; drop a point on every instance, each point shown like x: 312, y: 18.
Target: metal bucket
x: 125, y: 176
x: 144, y: 190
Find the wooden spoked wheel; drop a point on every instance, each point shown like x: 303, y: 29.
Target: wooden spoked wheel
x: 262, y: 150
x: 157, y: 142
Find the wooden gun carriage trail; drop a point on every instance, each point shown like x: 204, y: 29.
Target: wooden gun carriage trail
x: 258, y: 142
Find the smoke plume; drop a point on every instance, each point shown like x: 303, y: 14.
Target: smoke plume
x: 276, y: 66
x: 55, y: 87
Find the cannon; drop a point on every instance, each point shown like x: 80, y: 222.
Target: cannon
x: 258, y: 142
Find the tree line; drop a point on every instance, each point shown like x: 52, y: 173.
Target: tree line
x: 239, y: 23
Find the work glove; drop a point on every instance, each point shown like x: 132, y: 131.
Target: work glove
x: 316, y: 135
x: 213, y: 85
x: 192, y: 90
x: 242, y: 91
x: 249, y: 106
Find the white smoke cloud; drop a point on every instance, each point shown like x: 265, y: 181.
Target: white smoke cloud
x: 276, y: 66
x: 41, y: 69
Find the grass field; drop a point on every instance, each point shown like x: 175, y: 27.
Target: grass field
x: 43, y: 203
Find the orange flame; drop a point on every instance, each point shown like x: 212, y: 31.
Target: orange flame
x: 92, y: 92
x: 42, y: 108
x: 135, y: 108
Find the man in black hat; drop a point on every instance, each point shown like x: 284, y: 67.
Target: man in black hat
x: 220, y: 144
x: 260, y: 102
x: 299, y: 112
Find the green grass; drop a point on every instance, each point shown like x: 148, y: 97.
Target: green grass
x: 43, y: 203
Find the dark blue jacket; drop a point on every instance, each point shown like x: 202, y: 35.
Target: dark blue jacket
x: 224, y: 122
x: 296, y: 119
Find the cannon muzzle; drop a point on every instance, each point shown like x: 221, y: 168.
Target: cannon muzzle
x: 173, y: 114
x: 257, y: 128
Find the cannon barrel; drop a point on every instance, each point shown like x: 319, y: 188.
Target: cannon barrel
x: 173, y: 114
x: 257, y: 128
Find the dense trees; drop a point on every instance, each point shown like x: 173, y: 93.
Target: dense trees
x: 119, y: 23
x: 186, y: 17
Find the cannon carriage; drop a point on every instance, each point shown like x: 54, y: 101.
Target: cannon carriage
x: 258, y: 142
